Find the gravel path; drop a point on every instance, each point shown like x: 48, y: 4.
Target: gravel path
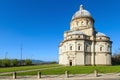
x: 111, y: 76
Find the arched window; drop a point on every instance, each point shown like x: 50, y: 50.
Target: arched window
x: 101, y: 48
x: 81, y: 22
x: 87, y: 48
x: 87, y: 22
x: 64, y: 48
x: 78, y: 47
x: 108, y: 48
x: 70, y: 47
x: 77, y: 23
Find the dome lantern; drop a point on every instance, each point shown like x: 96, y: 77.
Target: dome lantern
x: 81, y: 7
x: 81, y: 13
x: 82, y: 19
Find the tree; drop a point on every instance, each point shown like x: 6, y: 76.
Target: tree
x: 53, y: 62
x: 28, y: 62
x: 0, y: 62
x: 14, y: 62
x: 116, y: 59
x: 6, y: 62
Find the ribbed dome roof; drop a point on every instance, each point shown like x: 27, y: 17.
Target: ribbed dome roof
x: 81, y: 13
x: 75, y: 32
x: 100, y: 34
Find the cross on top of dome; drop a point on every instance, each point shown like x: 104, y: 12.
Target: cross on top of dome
x: 81, y: 7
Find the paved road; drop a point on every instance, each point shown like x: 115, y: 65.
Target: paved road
x: 112, y: 76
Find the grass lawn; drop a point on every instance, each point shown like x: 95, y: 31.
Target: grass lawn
x: 71, y: 69
x: 21, y: 68
x: 77, y: 70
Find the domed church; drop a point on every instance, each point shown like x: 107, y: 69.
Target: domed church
x: 82, y: 44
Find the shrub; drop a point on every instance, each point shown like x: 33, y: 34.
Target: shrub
x: 14, y: 62
x: 6, y: 62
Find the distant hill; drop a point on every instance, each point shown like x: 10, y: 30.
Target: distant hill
x: 40, y: 62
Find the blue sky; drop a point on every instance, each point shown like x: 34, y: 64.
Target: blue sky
x: 38, y: 25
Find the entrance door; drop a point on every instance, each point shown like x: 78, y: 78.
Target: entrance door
x: 70, y: 63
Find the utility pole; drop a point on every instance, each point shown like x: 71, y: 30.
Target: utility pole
x: 6, y: 55
x: 31, y: 57
x: 21, y: 57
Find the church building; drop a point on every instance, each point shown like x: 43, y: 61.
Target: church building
x: 82, y: 44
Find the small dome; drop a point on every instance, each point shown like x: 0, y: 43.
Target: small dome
x: 100, y: 34
x: 75, y: 32
x: 81, y: 13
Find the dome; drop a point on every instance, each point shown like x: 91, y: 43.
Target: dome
x: 81, y: 13
x: 75, y: 32
x: 100, y: 34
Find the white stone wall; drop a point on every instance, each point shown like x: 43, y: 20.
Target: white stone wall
x: 105, y: 47
x: 80, y: 58
x: 81, y: 23
x: 80, y: 55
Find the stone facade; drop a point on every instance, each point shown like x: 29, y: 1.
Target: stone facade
x: 82, y: 44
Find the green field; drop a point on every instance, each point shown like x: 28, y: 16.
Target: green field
x: 12, y: 69
x: 62, y: 69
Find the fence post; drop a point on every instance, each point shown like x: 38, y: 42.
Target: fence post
x: 14, y: 75
x: 96, y: 73
x: 67, y: 74
x: 39, y: 74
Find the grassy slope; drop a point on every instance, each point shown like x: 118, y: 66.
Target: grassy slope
x: 81, y: 70
x: 12, y: 69
x: 72, y: 69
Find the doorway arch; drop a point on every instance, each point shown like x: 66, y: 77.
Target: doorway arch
x: 70, y: 63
